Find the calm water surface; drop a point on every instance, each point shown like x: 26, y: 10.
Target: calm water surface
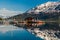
x: 21, y: 34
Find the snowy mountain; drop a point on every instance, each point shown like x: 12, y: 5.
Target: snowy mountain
x: 46, y: 7
x: 4, y: 13
x: 52, y: 8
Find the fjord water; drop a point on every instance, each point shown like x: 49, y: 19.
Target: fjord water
x: 21, y: 34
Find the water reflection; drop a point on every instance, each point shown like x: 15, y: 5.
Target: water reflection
x: 10, y: 32
x: 50, y: 25
x: 43, y: 29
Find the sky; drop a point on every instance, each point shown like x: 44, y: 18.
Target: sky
x: 13, y: 7
x: 21, y: 5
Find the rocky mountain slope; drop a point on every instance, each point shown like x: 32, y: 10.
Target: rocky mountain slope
x: 46, y: 7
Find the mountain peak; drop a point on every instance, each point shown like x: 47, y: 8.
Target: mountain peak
x: 48, y: 4
x: 45, y: 7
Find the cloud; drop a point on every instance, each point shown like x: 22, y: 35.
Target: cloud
x: 6, y: 28
x: 7, y: 13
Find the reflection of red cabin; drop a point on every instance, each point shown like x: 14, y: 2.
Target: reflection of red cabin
x: 28, y: 22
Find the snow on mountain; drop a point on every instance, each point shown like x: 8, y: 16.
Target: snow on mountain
x: 4, y: 13
x: 45, y: 7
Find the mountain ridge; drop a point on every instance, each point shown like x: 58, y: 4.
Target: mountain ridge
x: 46, y: 7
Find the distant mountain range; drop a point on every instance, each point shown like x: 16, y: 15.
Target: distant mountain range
x: 5, y: 13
